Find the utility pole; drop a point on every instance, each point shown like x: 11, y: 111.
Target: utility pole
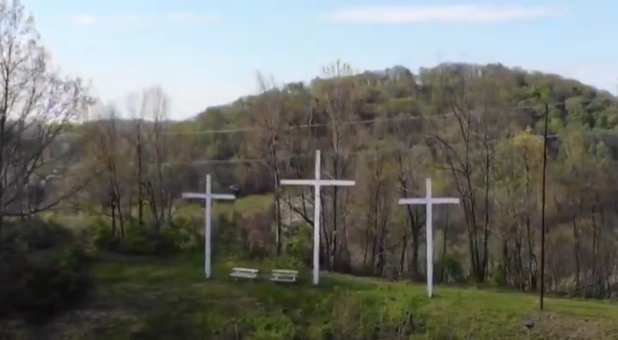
x: 542, y: 291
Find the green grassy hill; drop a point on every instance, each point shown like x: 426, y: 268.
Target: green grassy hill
x: 149, y: 298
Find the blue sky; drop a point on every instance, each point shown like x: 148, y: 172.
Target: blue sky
x: 208, y: 52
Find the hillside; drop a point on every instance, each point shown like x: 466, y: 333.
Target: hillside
x: 475, y: 129
x: 151, y: 298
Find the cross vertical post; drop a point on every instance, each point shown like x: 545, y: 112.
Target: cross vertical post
x: 208, y: 227
x: 429, y: 201
x: 316, y: 220
x: 208, y: 198
x: 317, y: 184
x: 429, y: 230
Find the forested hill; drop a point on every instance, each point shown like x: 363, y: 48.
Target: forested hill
x: 395, y: 98
x: 476, y: 130
x: 397, y: 90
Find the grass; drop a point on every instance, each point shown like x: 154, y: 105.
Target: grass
x: 156, y: 298
x: 153, y: 298
x: 245, y: 206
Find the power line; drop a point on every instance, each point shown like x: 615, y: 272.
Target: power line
x: 347, y: 123
x: 308, y: 126
x: 308, y: 155
x: 263, y: 161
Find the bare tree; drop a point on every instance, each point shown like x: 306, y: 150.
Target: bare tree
x: 137, y: 112
x: 160, y: 196
x: 336, y: 98
x: 36, y: 105
x: 109, y: 154
x: 269, y: 118
x: 468, y: 149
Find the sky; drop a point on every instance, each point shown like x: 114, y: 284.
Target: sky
x: 205, y: 53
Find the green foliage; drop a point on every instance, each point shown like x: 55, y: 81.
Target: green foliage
x: 103, y: 235
x: 450, y: 270
x: 43, y: 269
x: 146, y: 240
x: 299, y: 243
x: 35, y: 234
x: 169, y: 299
x: 272, y: 326
x: 55, y: 284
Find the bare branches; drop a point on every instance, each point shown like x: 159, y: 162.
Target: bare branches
x: 36, y: 105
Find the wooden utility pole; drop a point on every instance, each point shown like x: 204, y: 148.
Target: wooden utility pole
x: 542, y: 291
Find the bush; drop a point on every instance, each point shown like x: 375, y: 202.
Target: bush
x: 54, y: 285
x: 145, y: 239
x: 299, y: 244
x: 104, y: 238
x: 36, y: 234
x: 43, y: 269
x: 375, y: 315
x: 272, y: 326
x: 449, y: 270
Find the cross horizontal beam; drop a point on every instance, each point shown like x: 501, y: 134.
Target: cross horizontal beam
x: 226, y: 197
x: 192, y: 195
x: 321, y: 182
x: 424, y: 201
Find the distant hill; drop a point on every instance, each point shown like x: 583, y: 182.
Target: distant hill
x: 398, y: 90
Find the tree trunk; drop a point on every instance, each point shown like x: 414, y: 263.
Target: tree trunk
x: 140, y: 176
x: 402, y: 256
x: 576, y: 253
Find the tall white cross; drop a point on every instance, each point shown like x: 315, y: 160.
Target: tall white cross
x: 429, y: 202
x: 208, y: 197
x: 317, y: 183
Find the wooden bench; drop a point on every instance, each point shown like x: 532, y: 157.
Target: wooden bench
x: 281, y: 275
x: 244, y: 273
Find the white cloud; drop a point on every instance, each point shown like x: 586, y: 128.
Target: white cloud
x: 444, y: 14
x: 137, y: 20
x: 85, y: 19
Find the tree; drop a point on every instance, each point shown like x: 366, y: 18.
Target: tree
x: 517, y: 173
x: 36, y: 106
x: 336, y: 98
x: 467, y: 147
x: 269, y: 142
x: 138, y: 141
x: 155, y: 105
x: 110, y: 161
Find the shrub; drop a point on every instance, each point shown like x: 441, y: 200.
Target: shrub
x: 299, y: 244
x: 104, y: 238
x: 182, y: 232
x: 54, y: 285
x: 139, y: 239
x: 257, y: 233
x: 272, y: 326
x: 43, y: 269
x: 36, y: 234
x: 145, y: 239
x: 450, y: 270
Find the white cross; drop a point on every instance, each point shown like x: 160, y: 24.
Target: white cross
x: 428, y: 202
x: 317, y: 183
x: 208, y: 197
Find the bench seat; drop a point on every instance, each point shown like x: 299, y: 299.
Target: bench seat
x: 283, y: 275
x: 244, y: 273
